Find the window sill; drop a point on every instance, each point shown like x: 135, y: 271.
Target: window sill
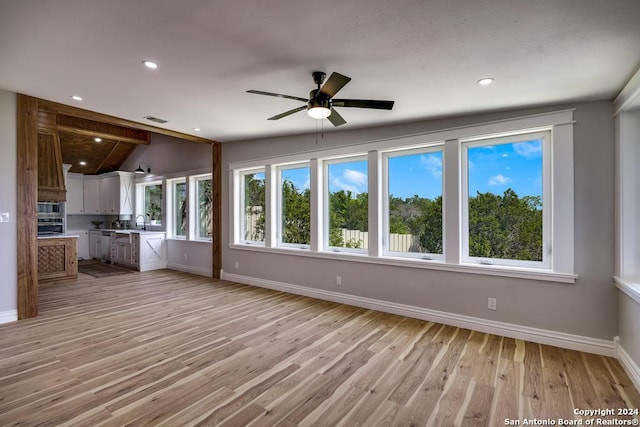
x: 184, y: 239
x: 490, y: 270
x: 631, y: 289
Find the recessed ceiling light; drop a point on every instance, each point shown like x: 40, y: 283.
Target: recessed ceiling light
x: 96, y: 139
x: 196, y: 129
x: 150, y: 64
x: 485, y: 81
x: 82, y: 163
x: 76, y: 98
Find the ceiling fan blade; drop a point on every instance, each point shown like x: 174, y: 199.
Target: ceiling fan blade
x: 363, y: 103
x: 335, y: 118
x: 334, y: 83
x: 278, y: 95
x: 287, y: 113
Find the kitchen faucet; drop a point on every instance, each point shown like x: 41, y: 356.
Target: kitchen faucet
x: 144, y: 223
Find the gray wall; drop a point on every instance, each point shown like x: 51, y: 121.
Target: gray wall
x: 8, y: 231
x: 587, y: 308
x: 167, y: 155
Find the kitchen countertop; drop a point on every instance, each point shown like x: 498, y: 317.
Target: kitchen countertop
x: 128, y: 231
x: 58, y: 236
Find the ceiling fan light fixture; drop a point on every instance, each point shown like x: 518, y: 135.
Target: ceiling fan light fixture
x: 319, y: 113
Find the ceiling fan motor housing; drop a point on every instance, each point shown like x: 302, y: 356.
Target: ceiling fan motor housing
x: 318, y: 99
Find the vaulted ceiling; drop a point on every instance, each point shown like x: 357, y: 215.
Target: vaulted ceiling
x: 427, y: 55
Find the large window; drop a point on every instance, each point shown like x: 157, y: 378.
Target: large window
x: 149, y: 203
x: 253, y: 206
x: 506, y: 206
x: 347, y: 213
x: 203, y: 206
x: 493, y: 198
x: 413, y: 209
x: 295, y: 206
x: 179, y: 207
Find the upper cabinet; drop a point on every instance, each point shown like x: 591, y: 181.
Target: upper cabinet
x: 51, y: 186
x: 75, y: 193
x: 108, y: 194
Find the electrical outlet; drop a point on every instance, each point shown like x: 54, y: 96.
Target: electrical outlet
x: 338, y: 280
x: 492, y: 304
x: 4, y: 217
x: 237, y: 265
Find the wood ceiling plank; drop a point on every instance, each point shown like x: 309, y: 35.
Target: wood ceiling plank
x: 97, y: 134
x: 78, y: 112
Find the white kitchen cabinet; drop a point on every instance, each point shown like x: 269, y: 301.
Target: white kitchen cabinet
x: 151, y: 250
x: 75, y: 193
x: 109, y: 194
x: 99, y: 244
x: 91, y: 191
x: 83, y: 242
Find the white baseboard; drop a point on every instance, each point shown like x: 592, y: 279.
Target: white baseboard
x: 8, y: 316
x: 542, y: 336
x: 190, y: 269
x: 629, y: 365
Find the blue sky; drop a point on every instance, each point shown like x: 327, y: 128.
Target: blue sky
x: 491, y: 169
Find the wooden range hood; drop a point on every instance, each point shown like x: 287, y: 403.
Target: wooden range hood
x: 89, y: 146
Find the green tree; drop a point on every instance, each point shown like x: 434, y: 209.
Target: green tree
x: 505, y: 227
x: 296, y: 214
x: 254, y: 202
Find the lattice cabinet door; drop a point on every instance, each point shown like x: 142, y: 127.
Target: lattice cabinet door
x: 57, y: 258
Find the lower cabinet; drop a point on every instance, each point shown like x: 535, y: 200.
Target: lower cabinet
x: 57, y: 258
x: 83, y: 243
x: 142, y: 250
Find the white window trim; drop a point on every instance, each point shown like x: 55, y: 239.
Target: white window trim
x: 325, y: 204
x: 170, y: 214
x: 562, y: 242
x: 241, y: 177
x: 432, y: 148
x: 140, y: 208
x: 193, y: 208
x: 520, y: 136
x: 278, y: 180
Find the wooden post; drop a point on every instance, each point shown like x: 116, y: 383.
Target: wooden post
x: 216, y: 216
x: 27, y: 183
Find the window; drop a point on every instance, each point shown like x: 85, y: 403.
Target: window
x: 505, y: 203
x: 203, y: 206
x: 179, y: 207
x: 347, y: 204
x: 253, y: 206
x: 413, y: 203
x: 295, y: 206
x: 475, y: 199
x: 149, y: 204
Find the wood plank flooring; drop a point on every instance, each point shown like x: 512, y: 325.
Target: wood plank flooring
x: 169, y: 348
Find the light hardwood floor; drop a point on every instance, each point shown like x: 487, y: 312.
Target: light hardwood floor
x: 169, y: 348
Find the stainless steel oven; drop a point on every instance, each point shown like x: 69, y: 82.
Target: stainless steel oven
x: 50, y: 219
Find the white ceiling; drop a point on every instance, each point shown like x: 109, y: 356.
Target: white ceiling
x: 426, y: 55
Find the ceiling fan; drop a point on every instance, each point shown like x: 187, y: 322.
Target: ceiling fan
x: 320, y: 103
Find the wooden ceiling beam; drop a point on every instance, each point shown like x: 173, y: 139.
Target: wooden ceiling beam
x: 90, y: 115
x: 97, y: 134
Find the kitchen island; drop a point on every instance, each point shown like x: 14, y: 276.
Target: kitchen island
x: 139, y: 249
x: 57, y: 258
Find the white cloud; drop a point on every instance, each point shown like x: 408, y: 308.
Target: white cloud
x: 528, y: 149
x: 355, y: 177
x: 499, y: 180
x: 341, y: 185
x: 432, y: 163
